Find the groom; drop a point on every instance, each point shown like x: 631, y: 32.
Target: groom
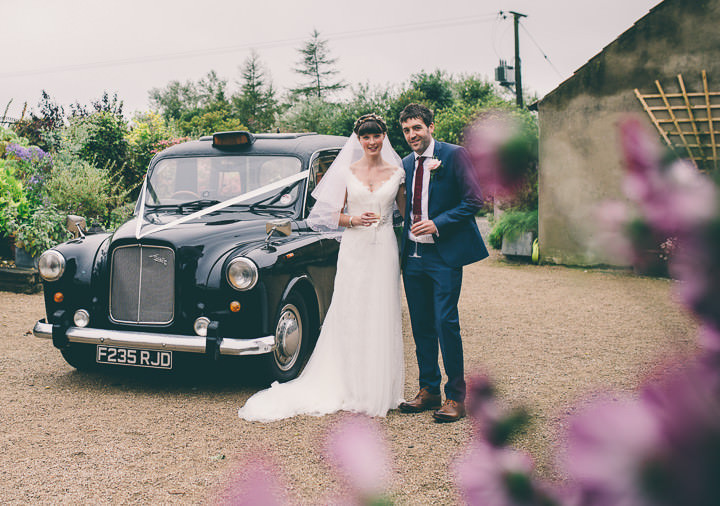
x: 439, y: 237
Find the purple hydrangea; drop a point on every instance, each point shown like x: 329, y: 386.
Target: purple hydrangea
x: 30, y: 154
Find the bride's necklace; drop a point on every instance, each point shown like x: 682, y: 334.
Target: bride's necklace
x: 371, y: 182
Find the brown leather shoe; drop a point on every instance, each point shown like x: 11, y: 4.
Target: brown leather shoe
x: 423, y: 401
x: 451, y: 411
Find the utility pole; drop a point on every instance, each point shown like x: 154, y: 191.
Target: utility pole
x: 518, y: 73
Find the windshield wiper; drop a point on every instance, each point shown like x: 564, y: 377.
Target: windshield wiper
x: 198, y: 204
x: 275, y: 197
x: 157, y: 207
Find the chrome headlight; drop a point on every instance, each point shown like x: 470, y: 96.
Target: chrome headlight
x: 51, y: 265
x: 201, y: 326
x: 242, y: 273
x: 81, y: 318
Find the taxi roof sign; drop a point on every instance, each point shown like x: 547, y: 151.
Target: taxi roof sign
x: 231, y: 139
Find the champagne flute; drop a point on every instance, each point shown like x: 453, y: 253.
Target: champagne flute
x: 376, y: 209
x: 415, y: 219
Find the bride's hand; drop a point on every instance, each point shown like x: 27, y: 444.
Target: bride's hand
x: 368, y: 218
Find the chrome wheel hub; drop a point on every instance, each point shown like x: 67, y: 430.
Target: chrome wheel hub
x: 288, y: 336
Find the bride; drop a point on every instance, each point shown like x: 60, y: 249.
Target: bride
x: 357, y: 364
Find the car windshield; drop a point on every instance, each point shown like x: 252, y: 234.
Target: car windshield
x: 204, y: 181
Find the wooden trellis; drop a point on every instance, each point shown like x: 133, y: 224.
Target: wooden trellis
x: 687, y: 121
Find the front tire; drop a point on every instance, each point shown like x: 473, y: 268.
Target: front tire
x: 292, y: 335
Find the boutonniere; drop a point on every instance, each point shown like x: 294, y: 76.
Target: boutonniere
x: 433, y: 166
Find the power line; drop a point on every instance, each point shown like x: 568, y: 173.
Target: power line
x: 495, y: 34
x: 541, y: 51
x: 349, y: 34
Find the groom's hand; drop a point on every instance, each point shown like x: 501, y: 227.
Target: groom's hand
x: 423, y: 227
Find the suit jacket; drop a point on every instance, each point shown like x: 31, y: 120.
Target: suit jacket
x: 452, y: 205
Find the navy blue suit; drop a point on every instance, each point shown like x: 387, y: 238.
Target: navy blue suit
x: 432, y: 282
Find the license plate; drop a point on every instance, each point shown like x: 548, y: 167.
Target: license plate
x: 137, y: 358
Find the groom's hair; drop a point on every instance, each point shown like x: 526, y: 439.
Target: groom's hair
x: 419, y: 111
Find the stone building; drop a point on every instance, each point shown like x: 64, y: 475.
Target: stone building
x: 662, y: 56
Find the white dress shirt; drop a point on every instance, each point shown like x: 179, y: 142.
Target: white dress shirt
x: 428, y: 154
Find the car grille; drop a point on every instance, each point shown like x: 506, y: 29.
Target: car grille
x: 142, y: 285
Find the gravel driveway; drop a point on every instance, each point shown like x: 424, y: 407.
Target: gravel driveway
x: 548, y: 335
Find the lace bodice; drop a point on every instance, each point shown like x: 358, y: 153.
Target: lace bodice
x: 362, y: 199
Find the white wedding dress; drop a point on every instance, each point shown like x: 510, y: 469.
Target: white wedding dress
x: 357, y: 364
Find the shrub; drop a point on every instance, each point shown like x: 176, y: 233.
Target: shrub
x: 43, y: 229
x: 7, y: 137
x: 511, y: 225
x: 78, y: 187
x: 32, y: 167
x: 13, y: 202
x: 98, y: 138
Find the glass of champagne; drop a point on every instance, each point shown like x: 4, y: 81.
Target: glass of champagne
x: 415, y: 219
x: 376, y: 209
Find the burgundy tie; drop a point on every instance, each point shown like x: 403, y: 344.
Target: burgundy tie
x: 417, y: 192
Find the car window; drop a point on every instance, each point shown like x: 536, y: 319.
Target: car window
x: 319, y: 166
x: 175, y: 181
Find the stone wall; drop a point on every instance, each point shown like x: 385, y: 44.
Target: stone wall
x: 580, y: 164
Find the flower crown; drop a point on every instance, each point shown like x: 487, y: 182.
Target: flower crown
x: 370, y: 117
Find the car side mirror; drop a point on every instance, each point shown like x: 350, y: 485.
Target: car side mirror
x: 282, y: 227
x: 76, y: 226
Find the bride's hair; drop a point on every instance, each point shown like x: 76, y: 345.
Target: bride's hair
x: 369, y: 124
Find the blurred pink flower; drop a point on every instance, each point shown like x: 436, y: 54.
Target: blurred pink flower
x: 482, y: 404
x: 696, y: 266
x: 255, y: 481
x: 491, y: 476
x: 676, y: 199
x: 608, y: 444
x: 360, y: 454
x: 611, y: 234
x: 687, y: 406
x: 500, y: 155
x: 661, y: 449
x: 641, y: 148
x: 709, y: 338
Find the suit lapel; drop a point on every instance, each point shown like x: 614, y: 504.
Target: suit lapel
x: 409, y: 175
x: 436, y: 154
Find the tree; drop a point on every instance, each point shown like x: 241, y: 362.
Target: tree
x: 196, y: 108
x: 106, y: 104
x: 311, y: 115
x: 211, y: 90
x: 436, y: 87
x: 41, y: 130
x: 317, y: 67
x: 256, y: 105
x: 175, y: 99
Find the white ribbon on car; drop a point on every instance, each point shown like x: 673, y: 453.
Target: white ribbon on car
x: 220, y: 205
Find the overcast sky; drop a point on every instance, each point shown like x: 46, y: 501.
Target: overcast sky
x: 76, y: 49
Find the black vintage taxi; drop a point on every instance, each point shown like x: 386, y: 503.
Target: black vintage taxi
x: 217, y: 261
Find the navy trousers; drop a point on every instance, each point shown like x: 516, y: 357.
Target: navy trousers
x: 432, y: 289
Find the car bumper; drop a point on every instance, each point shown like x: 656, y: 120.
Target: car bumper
x: 150, y: 341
